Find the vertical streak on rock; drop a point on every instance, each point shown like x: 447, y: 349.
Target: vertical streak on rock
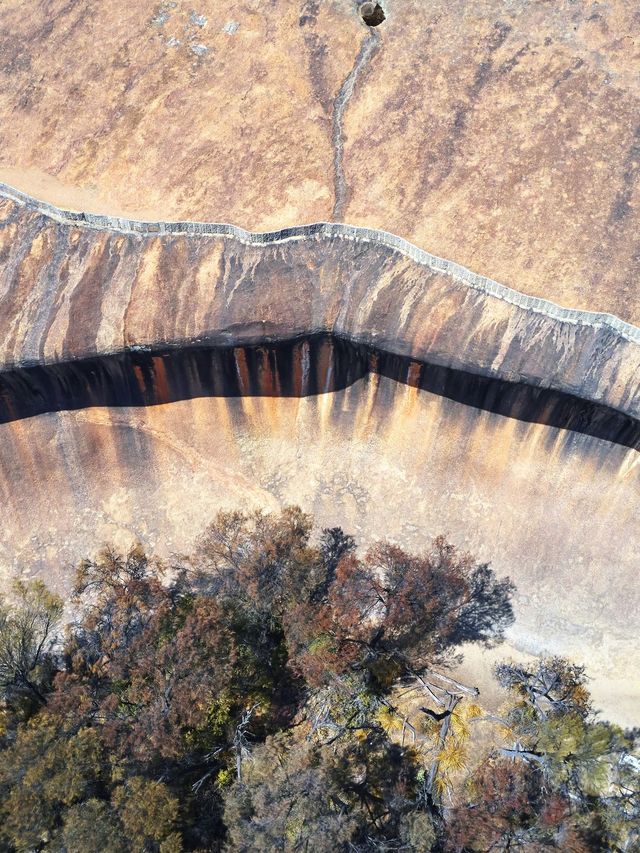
x: 367, y: 49
x: 242, y: 371
x: 160, y: 380
x: 305, y: 364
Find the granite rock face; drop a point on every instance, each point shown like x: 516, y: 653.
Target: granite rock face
x: 75, y: 287
x: 502, y: 135
x: 153, y: 372
x: 179, y: 368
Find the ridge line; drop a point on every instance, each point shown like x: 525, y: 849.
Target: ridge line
x: 476, y: 281
x: 368, y: 47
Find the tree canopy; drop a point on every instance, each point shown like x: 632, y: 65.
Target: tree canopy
x: 279, y: 689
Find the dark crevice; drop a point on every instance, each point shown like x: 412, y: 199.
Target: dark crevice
x: 292, y: 368
x: 372, y: 14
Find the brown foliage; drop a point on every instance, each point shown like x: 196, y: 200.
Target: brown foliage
x: 391, y: 606
x: 512, y: 809
x: 171, y: 677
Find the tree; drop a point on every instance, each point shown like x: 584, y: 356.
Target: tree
x: 508, y: 809
x: 115, y: 597
x: 356, y: 797
x: 93, y: 827
x: 27, y: 628
x: 164, y: 675
x: 393, y: 614
x: 287, y: 799
x: 592, y: 764
x: 149, y: 814
x: 260, y: 560
x: 278, y: 690
x: 48, y: 769
x: 550, y: 686
x: 334, y: 545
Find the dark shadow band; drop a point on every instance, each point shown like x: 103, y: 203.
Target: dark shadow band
x: 293, y: 368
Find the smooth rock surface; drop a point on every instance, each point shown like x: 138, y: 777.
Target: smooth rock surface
x: 554, y: 509
x: 504, y: 136
x: 70, y: 291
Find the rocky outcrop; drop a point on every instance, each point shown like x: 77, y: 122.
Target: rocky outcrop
x: 123, y: 297
x: 503, y: 135
x: 176, y: 368
x: 180, y: 368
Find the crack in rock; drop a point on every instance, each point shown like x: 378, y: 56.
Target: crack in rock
x: 367, y: 49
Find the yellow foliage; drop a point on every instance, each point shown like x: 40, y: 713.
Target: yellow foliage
x: 321, y: 644
x: 471, y: 788
x: 453, y: 756
x: 580, y: 695
x: 507, y: 733
x: 594, y: 778
x: 428, y: 726
x: 219, y: 713
x: 390, y: 721
x: 172, y: 844
x: 472, y: 711
x: 293, y: 828
x: 224, y: 777
x: 441, y: 785
x: 460, y: 727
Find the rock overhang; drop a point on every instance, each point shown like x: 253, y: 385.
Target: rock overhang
x: 163, y: 286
